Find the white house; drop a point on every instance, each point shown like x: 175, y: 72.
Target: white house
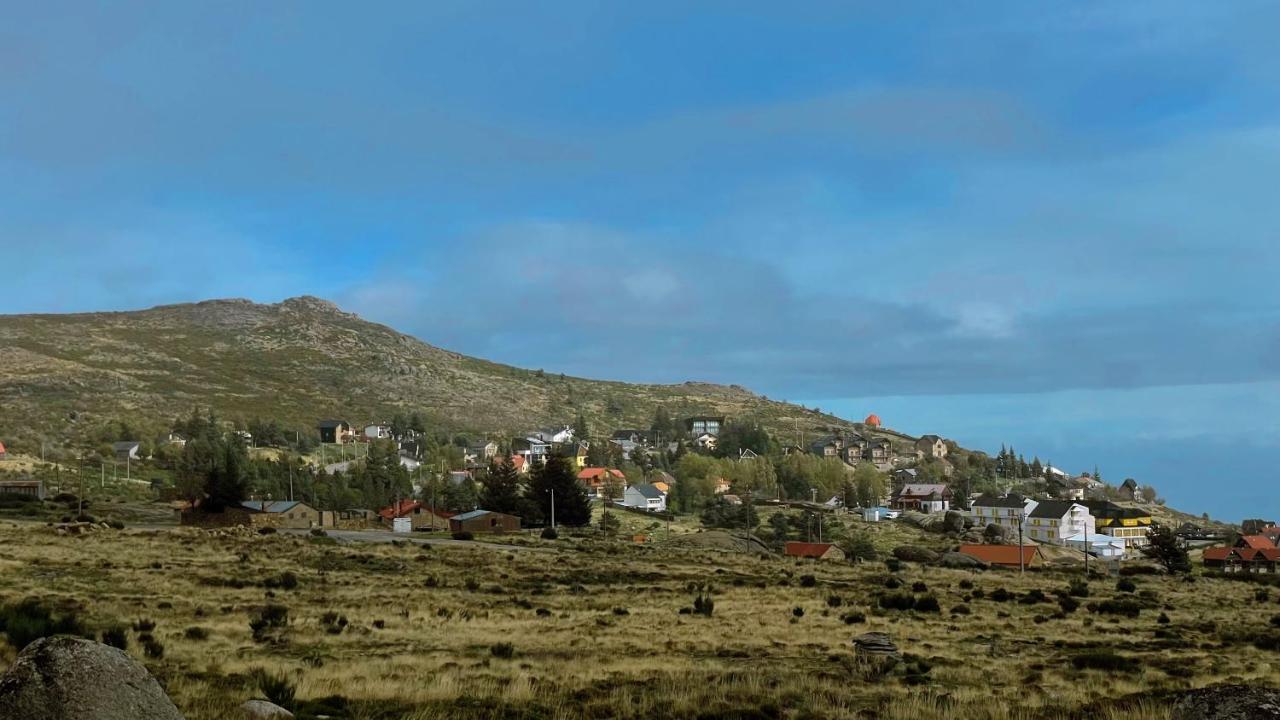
x: 1103, y: 546
x: 377, y: 431
x: 705, y: 441
x: 645, y: 497
x: 1006, y: 511
x: 1053, y: 521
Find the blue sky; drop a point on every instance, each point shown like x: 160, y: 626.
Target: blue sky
x: 1051, y: 226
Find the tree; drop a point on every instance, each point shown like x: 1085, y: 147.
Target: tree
x: 581, y: 431
x: 555, y: 478
x: 663, y: 425
x: 723, y: 514
x: 227, y: 483
x: 858, y: 546
x: 501, y: 486
x: 417, y: 423
x: 1164, y: 547
x: 869, y: 484
x: 609, y: 523
x: 781, y: 528
x: 460, y: 496
x: 738, y: 436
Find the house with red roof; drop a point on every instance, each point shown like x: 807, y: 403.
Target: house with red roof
x: 420, y: 516
x: 813, y: 551
x: 594, y: 479
x: 1256, y: 542
x: 1242, y: 558
x: 1011, y: 556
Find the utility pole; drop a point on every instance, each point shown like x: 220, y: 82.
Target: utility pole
x: 1022, y: 569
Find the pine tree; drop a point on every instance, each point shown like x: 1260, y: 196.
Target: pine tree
x: 500, y: 487
x: 556, y: 478
x: 581, y: 431
x: 460, y: 496
x: 1164, y: 547
x: 227, y: 483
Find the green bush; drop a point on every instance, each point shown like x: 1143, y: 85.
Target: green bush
x: 503, y: 650
x: 196, y: 633
x: 1105, y: 660
x: 116, y: 636
x: 927, y: 603
x: 463, y: 535
x: 29, y: 620
x: 897, y: 601
x: 549, y: 533
x: 277, y: 688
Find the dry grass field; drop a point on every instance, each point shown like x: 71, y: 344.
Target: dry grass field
x: 582, y: 627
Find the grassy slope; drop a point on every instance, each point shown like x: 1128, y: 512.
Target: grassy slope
x: 584, y: 659
x: 302, y: 360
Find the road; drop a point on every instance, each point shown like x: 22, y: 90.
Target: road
x: 384, y: 536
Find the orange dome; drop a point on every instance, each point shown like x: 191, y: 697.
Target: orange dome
x: 873, y: 420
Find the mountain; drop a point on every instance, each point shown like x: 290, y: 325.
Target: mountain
x: 302, y: 360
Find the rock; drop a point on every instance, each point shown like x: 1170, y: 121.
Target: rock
x: 953, y: 522
x: 263, y: 710
x: 913, y: 553
x: 876, y: 645
x: 960, y: 560
x: 1228, y: 702
x: 60, y: 678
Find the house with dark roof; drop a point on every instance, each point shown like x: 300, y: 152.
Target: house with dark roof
x: 333, y: 431
x: 932, y: 446
x: 645, y: 496
x: 1130, y: 524
x: 1006, y: 511
x: 484, y: 521
x: 699, y: 425
x: 1241, y: 558
x: 26, y: 488
x: 923, y: 497
x: 1054, y: 521
x: 127, y: 450
x: 282, y: 514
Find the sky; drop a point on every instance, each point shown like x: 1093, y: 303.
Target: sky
x: 1053, y: 226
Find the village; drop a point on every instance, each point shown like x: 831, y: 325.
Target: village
x: 1016, y: 516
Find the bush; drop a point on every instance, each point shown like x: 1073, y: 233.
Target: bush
x: 116, y: 637
x: 317, y: 532
x: 927, y: 603
x: 288, y: 580
x: 961, y: 610
x: 1104, y: 660
x: 1078, y: 588
x: 503, y: 650
x: 808, y: 581
x: 144, y: 625
x: 834, y: 601
x: 897, y: 601
x: 966, y: 584
x: 703, y: 604
x: 266, y: 530
x: 1118, y: 606
x: 1163, y: 619
x: 1068, y: 604
x: 277, y: 688
x: 894, y: 564
x: 151, y: 647
x: 1033, y: 597
x: 854, y: 617
x: 549, y: 533
x: 269, y: 618
x: 464, y: 535
x: 29, y: 620
x: 919, y: 587
x: 1001, y: 595
x: 797, y: 611
x: 1126, y: 585
x: 893, y: 583
x: 196, y: 633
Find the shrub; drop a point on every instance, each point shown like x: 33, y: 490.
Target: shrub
x: 834, y: 601
x: 1118, y: 606
x: 1126, y: 585
x: 1163, y: 619
x: 144, y: 625
x: 1262, y: 595
x: 808, y: 581
x: 464, y: 535
x: 116, y: 637
x: 703, y: 604
x: 1001, y: 595
x: 893, y: 583
x: 1104, y: 660
x: 1078, y: 588
x: 919, y: 587
x: 503, y: 650
x: 797, y: 611
x: 854, y: 617
x: 927, y: 603
x: 966, y: 584
x: 1068, y: 604
x: 269, y: 618
x: 277, y: 688
x: 317, y: 532
x: 1033, y: 597
x: 620, y: 611
x: 961, y: 610
x: 894, y: 564
x: 152, y: 647
x: 266, y: 530
x: 196, y: 633
x: 549, y: 533
x: 115, y: 524
x: 29, y: 620
x: 897, y: 601
x: 288, y: 580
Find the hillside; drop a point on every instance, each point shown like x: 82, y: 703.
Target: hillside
x: 301, y: 360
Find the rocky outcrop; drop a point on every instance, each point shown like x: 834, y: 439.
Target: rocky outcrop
x: 876, y: 646
x: 914, y: 553
x: 263, y: 710
x: 68, y: 678
x: 960, y: 560
x: 1228, y: 702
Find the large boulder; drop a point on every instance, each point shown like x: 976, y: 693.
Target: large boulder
x: 914, y: 553
x: 263, y: 710
x: 877, y: 646
x: 68, y: 678
x: 960, y: 560
x: 953, y: 522
x: 1228, y: 702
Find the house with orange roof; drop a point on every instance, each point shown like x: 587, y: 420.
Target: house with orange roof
x: 1011, y: 556
x: 813, y: 551
x: 595, y: 478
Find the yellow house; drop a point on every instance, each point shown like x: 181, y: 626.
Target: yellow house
x: 1128, y: 524
x: 576, y: 454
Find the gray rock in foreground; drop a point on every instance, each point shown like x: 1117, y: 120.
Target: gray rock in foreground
x: 876, y: 644
x: 263, y: 710
x: 67, y: 678
x: 1229, y: 702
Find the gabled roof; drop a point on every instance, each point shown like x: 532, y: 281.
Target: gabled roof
x: 125, y: 445
x: 807, y: 550
x: 1218, y: 553
x: 1002, y: 554
x: 593, y: 473
x: 1052, y: 508
x: 1129, y: 483
x: 922, y: 490
x: 400, y: 509
x: 330, y: 424
x: 270, y: 506
x: 648, y: 491
x: 1256, y: 542
x: 471, y: 515
x: 907, y: 471
x: 1008, y: 501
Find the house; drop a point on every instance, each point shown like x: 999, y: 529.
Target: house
x: 876, y: 514
x: 1272, y: 533
x: 827, y: 447
x: 645, y: 497
x: 747, y: 454
x: 26, y: 488
x: 127, y: 450
x: 576, y: 453
x: 1129, y: 490
x: 484, y: 521
x: 1241, y: 559
x: 334, y: 431
x: 1011, y: 556
x: 813, y: 551
x: 457, y: 477
x: 281, y: 514
x: 1006, y: 511
x: 1254, y: 526
x: 533, y: 449
x: 376, y: 431
x: 1053, y: 521
x: 175, y: 439
x: 721, y: 485
x: 706, y: 441
x: 554, y: 436
x: 483, y: 452
x: 1059, y: 489
x: 704, y: 425
x: 1101, y: 546
x: 904, y: 476
x: 596, y: 478
x: 925, y: 498
x: 420, y: 516
x: 932, y: 446
x: 1132, y: 525
x: 635, y: 437
x: 1255, y: 542
x: 663, y: 481
x: 880, y: 453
